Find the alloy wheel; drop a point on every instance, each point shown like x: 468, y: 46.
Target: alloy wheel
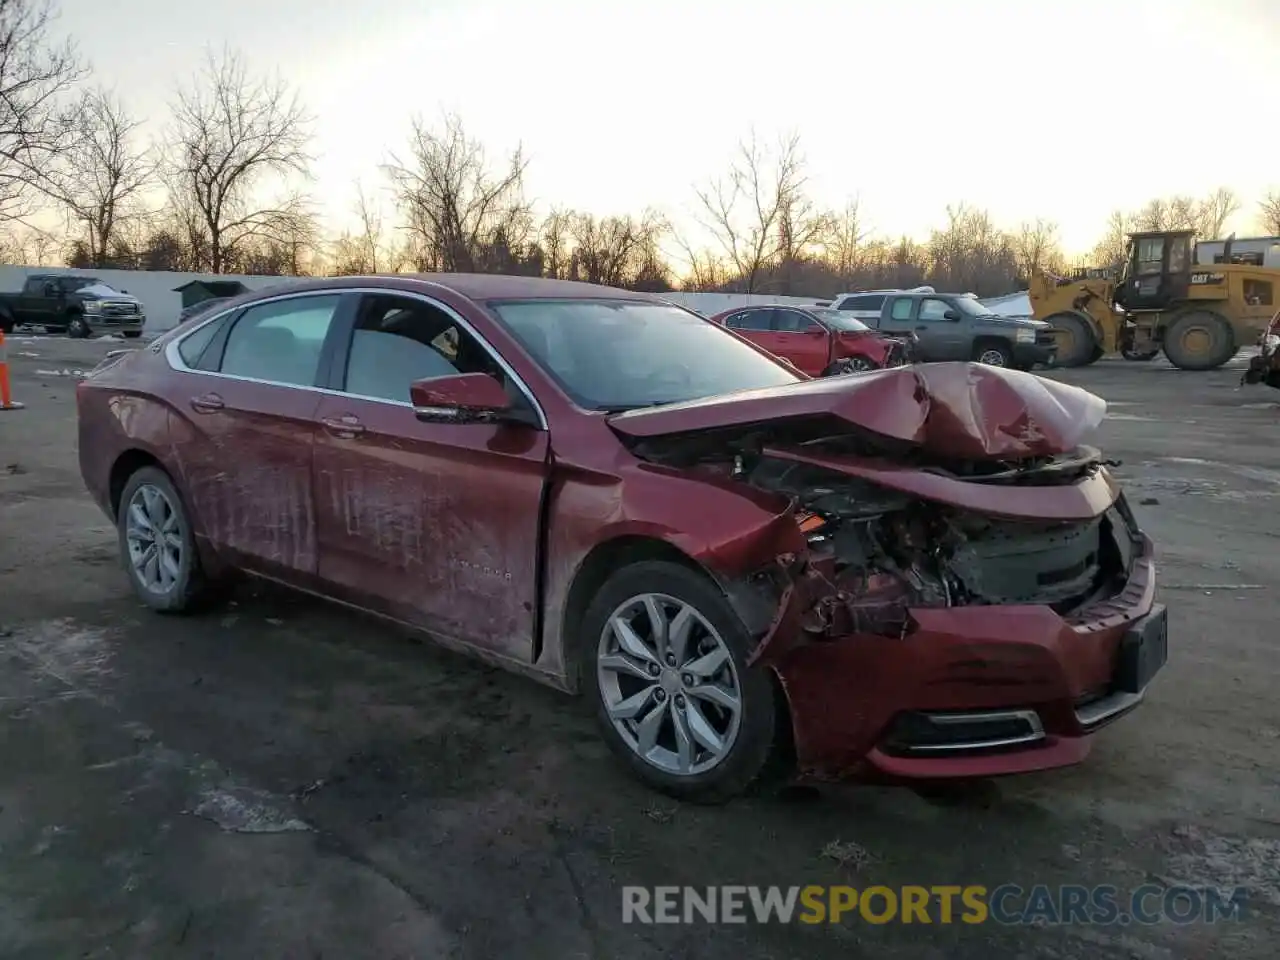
x: 993, y: 358
x: 154, y: 533
x: 669, y: 684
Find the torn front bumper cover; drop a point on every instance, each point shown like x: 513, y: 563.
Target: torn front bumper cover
x: 972, y: 691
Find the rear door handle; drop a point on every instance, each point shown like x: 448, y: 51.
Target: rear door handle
x: 209, y: 403
x: 344, y: 427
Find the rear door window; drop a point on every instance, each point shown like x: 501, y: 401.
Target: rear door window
x: 901, y: 309
x: 757, y: 320
x: 280, y: 341
x: 791, y: 321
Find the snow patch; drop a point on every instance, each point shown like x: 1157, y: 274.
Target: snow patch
x: 65, y: 650
x: 64, y: 372
x: 239, y: 809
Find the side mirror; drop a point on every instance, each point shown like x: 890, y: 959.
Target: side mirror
x: 951, y: 315
x: 463, y: 398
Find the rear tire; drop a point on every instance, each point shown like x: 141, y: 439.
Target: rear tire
x: 1199, y: 340
x: 993, y: 353
x: 133, y: 334
x: 631, y: 681
x: 1075, y: 333
x: 152, y: 516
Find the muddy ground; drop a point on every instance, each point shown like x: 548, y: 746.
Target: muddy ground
x: 284, y: 779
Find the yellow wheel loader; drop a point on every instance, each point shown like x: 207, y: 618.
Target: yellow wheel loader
x: 1200, y: 315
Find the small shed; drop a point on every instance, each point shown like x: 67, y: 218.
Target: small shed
x: 197, y: 291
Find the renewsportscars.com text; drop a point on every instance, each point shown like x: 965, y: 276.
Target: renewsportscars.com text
x: 1008, y: 904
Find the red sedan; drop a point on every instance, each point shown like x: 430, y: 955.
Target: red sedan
x: 917, y: 571
x: 820, y: 342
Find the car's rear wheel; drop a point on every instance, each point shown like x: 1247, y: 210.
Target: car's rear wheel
x: 157, y: 543
x: 674, y: 697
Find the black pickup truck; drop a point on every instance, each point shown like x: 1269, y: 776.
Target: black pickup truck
x: 954, y: 326
x: 79, y: 305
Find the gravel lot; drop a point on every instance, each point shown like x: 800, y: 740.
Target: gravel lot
x: 280, y: 778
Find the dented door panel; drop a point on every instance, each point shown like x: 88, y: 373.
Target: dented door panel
x: 434, y: 524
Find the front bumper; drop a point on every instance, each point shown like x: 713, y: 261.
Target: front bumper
x: 1028, y: 354
x: 1004, y: 689
x: 107, y: 324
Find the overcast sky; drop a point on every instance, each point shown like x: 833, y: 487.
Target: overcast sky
x: 1025, y: 107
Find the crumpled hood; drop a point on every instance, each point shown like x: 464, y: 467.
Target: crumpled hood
x: 964, y: 411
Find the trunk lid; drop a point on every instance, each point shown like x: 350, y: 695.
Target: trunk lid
x: 952, y: 411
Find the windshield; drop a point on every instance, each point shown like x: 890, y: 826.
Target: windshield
x: 838, y: 320
x: 617, y: 354
x: 972, y: 307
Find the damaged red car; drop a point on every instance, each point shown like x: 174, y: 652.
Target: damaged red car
x: 918, y: 572
x: 819, y: 341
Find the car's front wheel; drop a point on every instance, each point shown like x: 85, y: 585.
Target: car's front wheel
x: 675, y: 699
x: 157, y: 543
x: 78, y: 328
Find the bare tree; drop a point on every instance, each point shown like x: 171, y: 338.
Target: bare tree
x: 231, y: 134
x: 37, y: 118
x: 1215, y: 210
x: 1270, y: 213
x: 454, y: 205
x: 1110, y: 251
x: 102, y: 177
x: 845, y: 240
x: 556, y: 243
x: 759, y: 213
x: 614, y: 250
x: 364, y: 250
x: 1036, y: 248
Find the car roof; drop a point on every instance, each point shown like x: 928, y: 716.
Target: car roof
x: 474, y: 286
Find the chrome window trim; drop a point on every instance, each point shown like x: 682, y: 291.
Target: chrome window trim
x: 175, y: 361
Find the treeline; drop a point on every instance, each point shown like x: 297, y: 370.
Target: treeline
x: 227, y: 188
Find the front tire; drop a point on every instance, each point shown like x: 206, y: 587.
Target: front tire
x: 666, y: 659
x: 993, y: 354
x: 133, y: 334
x: 858, y: 364
x: 1199, y: 340
x: 1077, y: 344
x: 78, y: 328
x: 157, y: 544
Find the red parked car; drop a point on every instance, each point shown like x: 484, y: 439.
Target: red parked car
x: 917, y: 571
x: 821, y: 342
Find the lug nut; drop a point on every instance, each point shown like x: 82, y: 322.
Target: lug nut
x: 679, y: 701
x: 660, y: 695
x: 671, y: 660
x: 687, y: 679
x: 654, y: 669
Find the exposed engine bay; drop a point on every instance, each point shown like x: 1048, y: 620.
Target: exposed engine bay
x: 883, y: 551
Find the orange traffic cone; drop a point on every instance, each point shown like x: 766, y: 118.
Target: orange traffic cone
x: 6, y: 401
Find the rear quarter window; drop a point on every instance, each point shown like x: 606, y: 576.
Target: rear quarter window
x: 194, y: 345
x: 867, y: 303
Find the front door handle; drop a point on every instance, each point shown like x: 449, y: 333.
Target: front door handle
x: 345, y: 427
x: 922, y: 328
x: 209, y: 403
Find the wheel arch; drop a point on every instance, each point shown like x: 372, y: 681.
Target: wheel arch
x: 125, y: 466
x: 611, y: 555
x: 600, y: 563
